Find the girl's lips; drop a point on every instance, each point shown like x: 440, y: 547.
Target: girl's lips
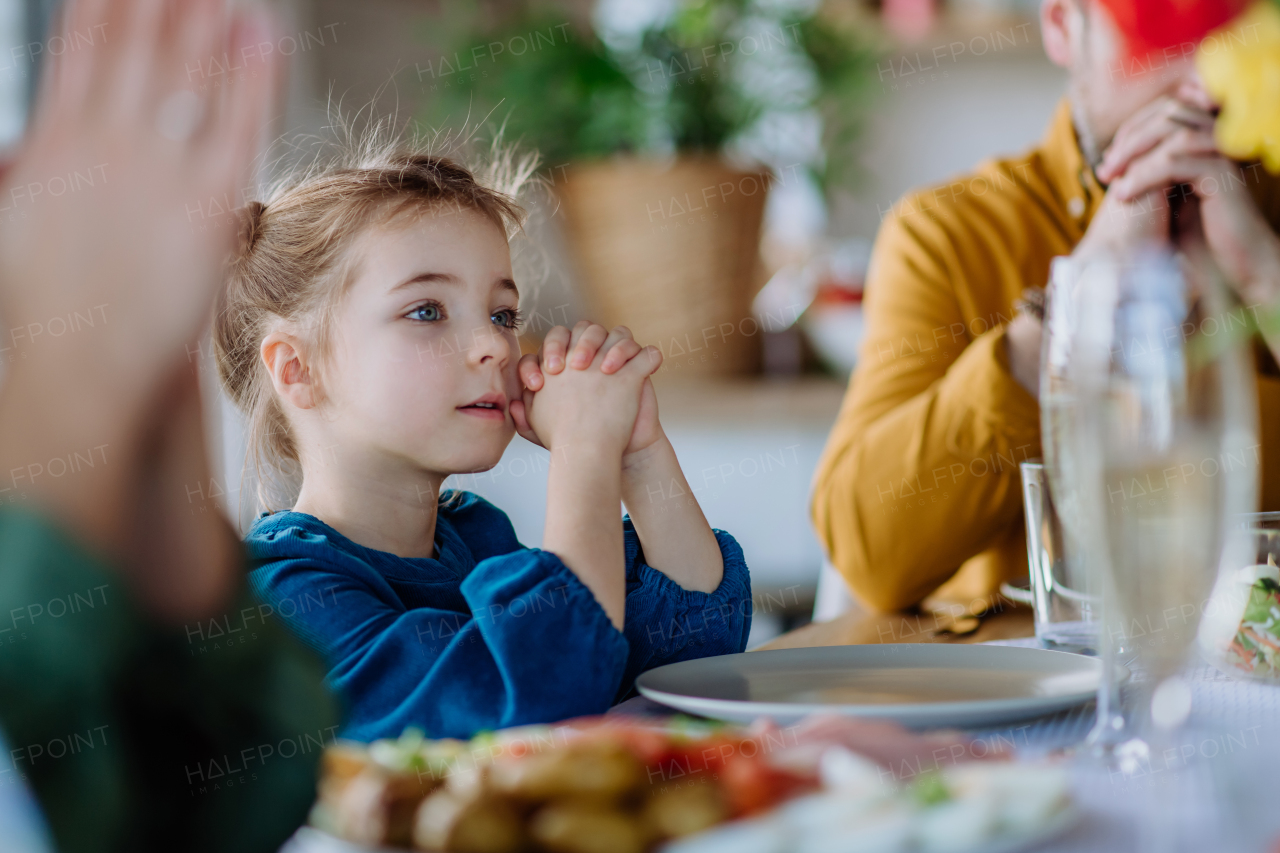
x: 482, y: 412
x: 492, y: 406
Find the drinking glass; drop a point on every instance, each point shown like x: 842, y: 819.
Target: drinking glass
x: 1065, y: 615
x: 1164, y: 404
x: 1062, y: 429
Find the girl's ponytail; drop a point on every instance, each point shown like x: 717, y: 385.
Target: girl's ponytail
x: 250, y: 227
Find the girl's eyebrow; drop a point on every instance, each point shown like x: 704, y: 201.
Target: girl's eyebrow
x: 448, y: 278
x: 427, y: 278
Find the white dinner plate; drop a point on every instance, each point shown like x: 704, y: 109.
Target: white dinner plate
x: 922, y: 685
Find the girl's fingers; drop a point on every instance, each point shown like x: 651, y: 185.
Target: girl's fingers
x: 520, y: 416
x: 555, y: 348
x: 527, y: 404
x: 235, y: 111
x: 654, y: 356
x: 579, y: 328
x: 587, y: 345
x: 53, y: 86
x: 196, y: 40
x: 619, y: 354
x: 192, y: 35
x: 529, y: 372
x: 646, y: 363
x: 616, y: 336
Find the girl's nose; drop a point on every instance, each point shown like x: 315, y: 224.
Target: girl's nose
x: 489, y: 343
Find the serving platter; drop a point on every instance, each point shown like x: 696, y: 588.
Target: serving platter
x: 920, y: 685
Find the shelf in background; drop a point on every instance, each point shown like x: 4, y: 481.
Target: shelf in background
x: 810, y: 402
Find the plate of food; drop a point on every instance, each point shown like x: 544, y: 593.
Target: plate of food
x: 682, y: 786
x: 1240, y: 633
x: 921, y: 685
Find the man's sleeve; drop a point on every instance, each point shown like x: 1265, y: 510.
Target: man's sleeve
x: 920, y: 472
x: 139, y: 736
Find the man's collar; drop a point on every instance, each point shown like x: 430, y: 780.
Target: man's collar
x: 1067, y: 170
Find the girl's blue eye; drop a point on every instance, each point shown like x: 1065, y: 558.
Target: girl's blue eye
x: 507, y: 318
x: 426, y: 313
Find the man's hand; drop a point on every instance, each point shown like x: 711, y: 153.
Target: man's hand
x: 1022, y: 337
x: 1167, y: 150
x: 131, y: 247
x: 134, y: 241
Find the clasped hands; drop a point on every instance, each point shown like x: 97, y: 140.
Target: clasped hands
x: 589, y: 387
x: 1166, y: 152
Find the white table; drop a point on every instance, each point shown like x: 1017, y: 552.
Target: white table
x: 1216, y: 789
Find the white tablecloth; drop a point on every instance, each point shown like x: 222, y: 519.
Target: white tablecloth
x: 1214, y: 789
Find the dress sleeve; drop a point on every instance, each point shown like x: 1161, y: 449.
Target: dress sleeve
x: 535, y: 647
x: 132, y: 734
x: 666, y: 623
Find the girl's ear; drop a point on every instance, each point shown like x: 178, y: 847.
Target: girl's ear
x: 286, y: 361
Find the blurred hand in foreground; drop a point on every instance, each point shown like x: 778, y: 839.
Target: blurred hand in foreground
x: 112, y: 189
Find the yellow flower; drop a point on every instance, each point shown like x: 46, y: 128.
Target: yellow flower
x: 1240, y: 66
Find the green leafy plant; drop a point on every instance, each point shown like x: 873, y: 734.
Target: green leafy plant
x: 714, y: 77
x: 555, y: 88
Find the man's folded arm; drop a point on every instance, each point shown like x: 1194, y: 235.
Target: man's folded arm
x: 921, y: 470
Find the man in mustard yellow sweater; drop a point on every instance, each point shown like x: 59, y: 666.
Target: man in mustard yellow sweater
x: 918, y: 491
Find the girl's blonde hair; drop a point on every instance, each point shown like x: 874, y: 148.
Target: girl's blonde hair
x: 294, y: 262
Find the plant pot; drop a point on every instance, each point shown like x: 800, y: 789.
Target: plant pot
x: 671, y: 250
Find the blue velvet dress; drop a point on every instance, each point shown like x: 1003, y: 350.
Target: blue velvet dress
x: 486, y: 634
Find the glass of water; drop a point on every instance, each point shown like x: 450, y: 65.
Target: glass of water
x: 1065, y: 613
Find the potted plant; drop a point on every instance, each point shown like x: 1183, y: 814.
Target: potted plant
x: 661, y: 137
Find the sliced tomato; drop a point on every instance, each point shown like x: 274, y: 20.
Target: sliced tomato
x: 752, y: 786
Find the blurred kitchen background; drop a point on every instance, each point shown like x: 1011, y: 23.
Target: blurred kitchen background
x: 714, y: 175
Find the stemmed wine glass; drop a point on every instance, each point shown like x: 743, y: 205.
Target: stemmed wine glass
x: 1061, y: 427
x: 1165, y: 403
x: 1147, y: 399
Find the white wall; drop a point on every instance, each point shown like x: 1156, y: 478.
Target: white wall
x: 935, y: 123
x: 752, y: 481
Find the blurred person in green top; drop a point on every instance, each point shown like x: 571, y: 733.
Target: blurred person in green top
x: 124, y: 710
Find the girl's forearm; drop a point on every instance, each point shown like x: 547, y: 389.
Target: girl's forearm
x: 674, y: 533
x: 583, y: 527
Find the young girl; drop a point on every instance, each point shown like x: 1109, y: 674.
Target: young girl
x: 369, y: 334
